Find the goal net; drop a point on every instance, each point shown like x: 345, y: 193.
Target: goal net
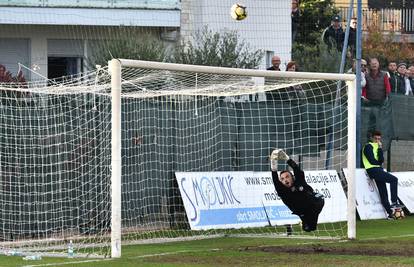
x: 96, y: 159
x: 55, y: 166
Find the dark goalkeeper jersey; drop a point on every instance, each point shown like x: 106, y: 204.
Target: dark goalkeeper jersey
x: 300, y: 197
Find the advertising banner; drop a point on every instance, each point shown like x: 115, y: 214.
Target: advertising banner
x: 367, y: 198
x: 405, y: 189
x: 327, y: 183
x: 215, y: 200
x: 221, y: 200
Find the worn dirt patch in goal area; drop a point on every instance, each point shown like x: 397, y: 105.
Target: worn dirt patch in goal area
x: 404, y: 251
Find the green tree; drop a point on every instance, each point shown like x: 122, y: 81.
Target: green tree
x: 386, y: 47
x: 317, y: 58
x: 132, y: 46
x: 315, y: 16
x: 205, y: 47
x: 225, y: 49
x: 309, y: 50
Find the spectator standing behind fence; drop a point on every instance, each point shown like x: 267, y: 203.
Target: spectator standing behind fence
x: 334, y: 34
x: 394, y: 76
x: 405, y: 75
x: 352, y: 37
x: 378, y: 86
x: 291, y: 66
x: 295, y: 18
x: 363, y: 70
x: 400, y: 78
x: 275, y: 63
x: 364, y: 66
x: 411, y: 75
x: 298, y: 89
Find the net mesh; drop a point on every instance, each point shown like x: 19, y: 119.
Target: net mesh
x: 56, y: 155
x: 55, y: 165
x: 200, y: 122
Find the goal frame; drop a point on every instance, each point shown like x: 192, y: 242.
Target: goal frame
x: 115, y: 69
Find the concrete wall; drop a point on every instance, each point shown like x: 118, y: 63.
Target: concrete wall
x: 402, y: 156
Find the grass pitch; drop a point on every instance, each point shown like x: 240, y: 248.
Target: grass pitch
x: 379, y: 243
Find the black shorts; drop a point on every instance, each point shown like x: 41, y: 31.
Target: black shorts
x: 311, y: 214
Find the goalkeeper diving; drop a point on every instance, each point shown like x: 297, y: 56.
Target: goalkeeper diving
x: 297, y: 195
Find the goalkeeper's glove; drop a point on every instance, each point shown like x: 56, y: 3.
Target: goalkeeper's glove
x: 279, y: 154
x: 283, y: 155
x: 274, y: 156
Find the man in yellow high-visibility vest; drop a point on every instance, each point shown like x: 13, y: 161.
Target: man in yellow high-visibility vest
x: 373, y: 158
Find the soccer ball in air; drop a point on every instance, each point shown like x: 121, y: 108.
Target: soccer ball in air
x: 238, y: 12
x: 398, y: 214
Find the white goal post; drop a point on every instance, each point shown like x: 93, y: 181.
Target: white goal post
x: 116, y: 163
x: 112, y: 157
x: 116, y: 67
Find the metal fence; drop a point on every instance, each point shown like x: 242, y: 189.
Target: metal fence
x: 387, y: 19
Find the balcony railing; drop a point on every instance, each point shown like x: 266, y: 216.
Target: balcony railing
x: 396, y: 20
x: 151, y: 4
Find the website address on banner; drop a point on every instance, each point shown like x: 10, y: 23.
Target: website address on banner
x: 263, y: 214
x: 250, y: 216
x: 258, y: 180
x: 321, y: 178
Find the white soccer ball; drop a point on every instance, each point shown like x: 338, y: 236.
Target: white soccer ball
x: 238, y: 12
x: 398, y: 214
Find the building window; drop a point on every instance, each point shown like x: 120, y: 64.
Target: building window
x: 59, y: 67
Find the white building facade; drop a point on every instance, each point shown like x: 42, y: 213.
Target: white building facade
x: 267, y: 26
x: 55, y: 37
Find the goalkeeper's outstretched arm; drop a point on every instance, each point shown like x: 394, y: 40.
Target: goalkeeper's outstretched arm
x: 280, y: 154
x: 275, y: 156
x: 297, y: 171
x: 294, y: 191
x: 282, y: 188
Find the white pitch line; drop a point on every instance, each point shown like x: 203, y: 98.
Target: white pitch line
x: 66, y: 263
x: 384, y: 237
x: 214, y: 249
x: 173, y: 252
x: 141, y: 256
